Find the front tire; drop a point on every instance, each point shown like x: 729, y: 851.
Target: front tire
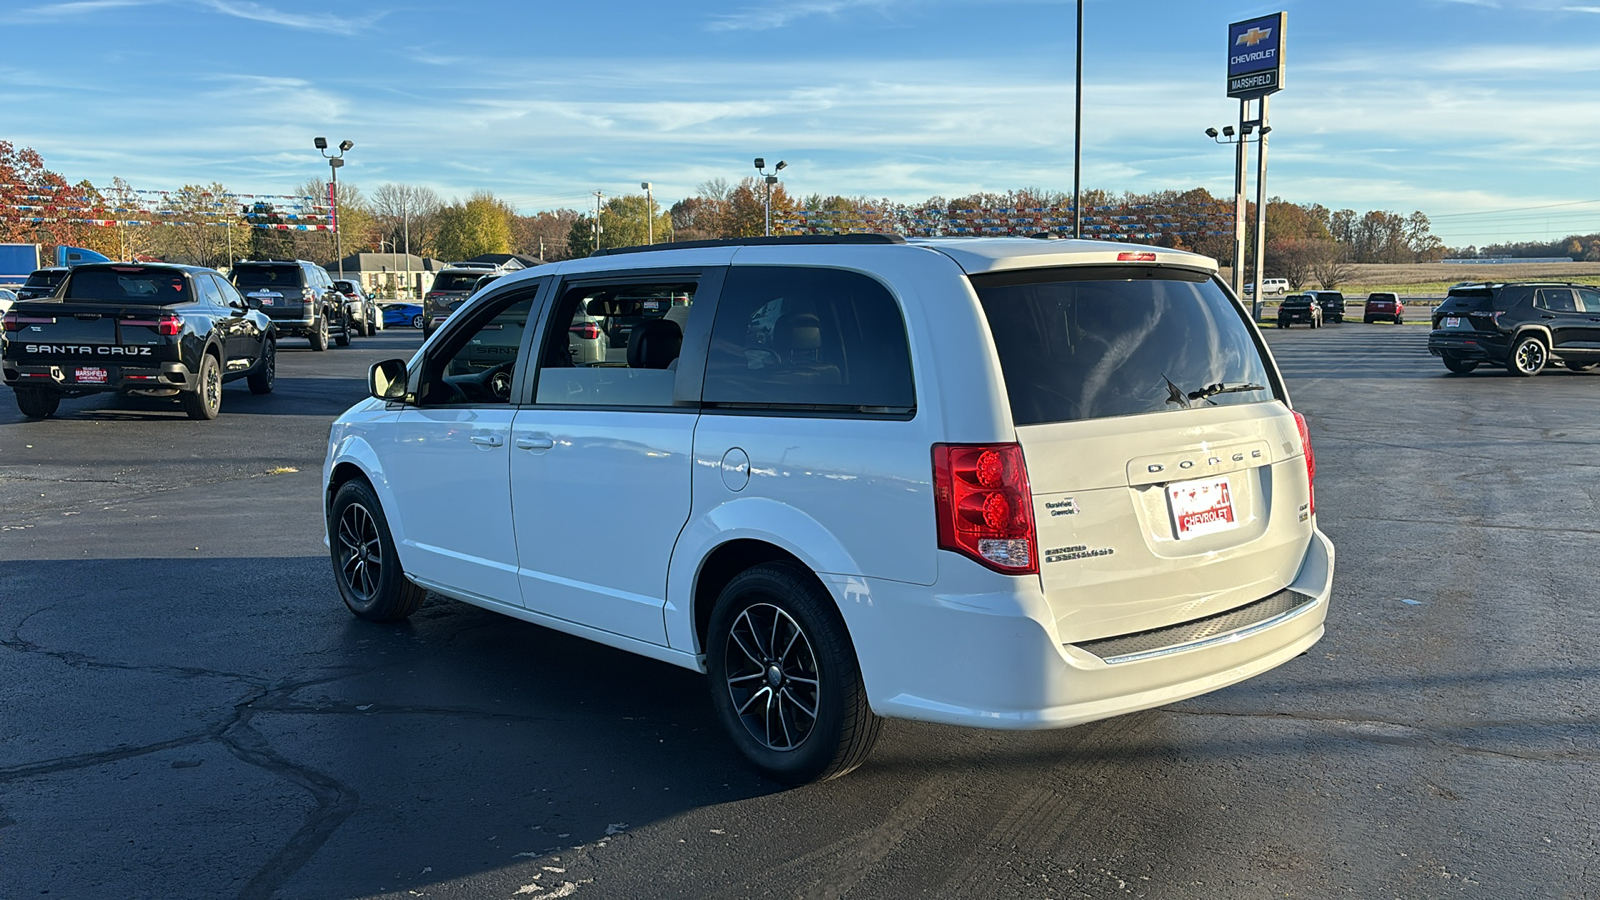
x: 784, y: 677
x: 37, y: 403
x: 266, y: 374
x: 1528, y: 357
x: 205, y: 401
x: 365, y: 564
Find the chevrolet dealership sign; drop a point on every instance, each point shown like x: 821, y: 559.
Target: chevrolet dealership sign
x: 1255, y: 57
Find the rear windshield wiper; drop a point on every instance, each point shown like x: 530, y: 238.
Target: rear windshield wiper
x: 1211, y: 390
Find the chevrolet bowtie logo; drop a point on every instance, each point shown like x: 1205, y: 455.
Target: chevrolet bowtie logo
x: 1253, y: 37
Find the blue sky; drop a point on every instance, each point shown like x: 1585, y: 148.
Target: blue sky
x: 1481, y: 113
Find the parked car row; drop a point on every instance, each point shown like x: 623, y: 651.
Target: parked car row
x: 1316, y: 308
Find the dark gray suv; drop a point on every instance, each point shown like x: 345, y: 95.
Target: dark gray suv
x: 299, y: 297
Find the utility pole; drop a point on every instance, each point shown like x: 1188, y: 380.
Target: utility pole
x: 597, y: 228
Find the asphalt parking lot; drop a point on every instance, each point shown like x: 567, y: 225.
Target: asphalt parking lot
x: 187, y: 710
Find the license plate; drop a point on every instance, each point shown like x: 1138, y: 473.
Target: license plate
x: 1452, y: 321
x: 90, y: 375
x: 1201, y: 507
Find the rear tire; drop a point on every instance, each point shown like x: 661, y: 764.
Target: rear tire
x: 205, y: 401
x: 1528, y: 357
x: 416, y: 321
x: 1458, y: 365
x: 794, y: 704
x: 365, y: 564
x: 266, y: 375
x: 1399, y: 321
x: 319, y: 337
x: 37, y: 403
x: 346, y: 332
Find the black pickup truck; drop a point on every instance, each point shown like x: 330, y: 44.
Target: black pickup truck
x: 150, y: 329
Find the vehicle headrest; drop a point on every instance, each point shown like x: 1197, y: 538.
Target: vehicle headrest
x: 797, y: 331
x: 654, y: 344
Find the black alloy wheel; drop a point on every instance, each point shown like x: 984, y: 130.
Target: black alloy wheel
x: 266, y: 374
x: 1528, y: 357
x: 365, y: 564
x: 346, y: 331
x: 784, y: 677
x: 205, y: 401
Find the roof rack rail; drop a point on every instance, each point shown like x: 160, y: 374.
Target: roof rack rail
x: 774, y: 240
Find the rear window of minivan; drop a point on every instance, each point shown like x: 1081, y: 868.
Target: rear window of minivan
x: 1095, y: 342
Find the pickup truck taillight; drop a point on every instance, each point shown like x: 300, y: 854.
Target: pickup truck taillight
x: 589, y: 331
x: 169, y: 325
x: 14, y: 322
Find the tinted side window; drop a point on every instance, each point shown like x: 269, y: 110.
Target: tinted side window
x: 209, y: 293
x: 808, y: 338
x: 1557, y: 300
x: 1590, y: 301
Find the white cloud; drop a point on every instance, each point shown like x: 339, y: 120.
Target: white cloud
x: 778, y: 16
x: 324, y: 22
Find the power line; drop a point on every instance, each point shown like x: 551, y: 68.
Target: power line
x: 1496, y: 212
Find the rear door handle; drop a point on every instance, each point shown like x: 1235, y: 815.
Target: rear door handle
x: 1547, y: 317
x: 487, y: 440
x: 534, y: 443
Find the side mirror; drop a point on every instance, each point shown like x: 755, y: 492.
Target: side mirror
x: 387, y: 380
x: 238, y: 306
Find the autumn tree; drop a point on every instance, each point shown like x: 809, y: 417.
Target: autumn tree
x: 544, y: 234
x: 480, y: 225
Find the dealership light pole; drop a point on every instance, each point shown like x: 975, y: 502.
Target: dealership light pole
x: 649, y: 213
x: 334, y: 163
x: 769, y: 181
x: 1077, y: 137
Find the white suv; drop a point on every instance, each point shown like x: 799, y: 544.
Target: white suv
x: 1006, y: 483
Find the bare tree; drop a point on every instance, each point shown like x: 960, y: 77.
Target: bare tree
x: 1331, y: 265
x: 405, y: 215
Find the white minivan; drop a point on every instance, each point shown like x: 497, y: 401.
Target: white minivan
x: 999, y: 482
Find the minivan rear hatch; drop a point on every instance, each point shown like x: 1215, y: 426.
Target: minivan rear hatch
x: 1168, y: 477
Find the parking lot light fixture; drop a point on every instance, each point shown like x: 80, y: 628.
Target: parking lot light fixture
x: 768, y: 181
x: 335, y: 161
x: 649, y: 213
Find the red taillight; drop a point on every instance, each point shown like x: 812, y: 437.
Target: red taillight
x: 589, y: 332
x: 169, y: 325
x: 984, y: 506
x: 1311, y: 460
x: 14, y: 322
x: 1136, y: 256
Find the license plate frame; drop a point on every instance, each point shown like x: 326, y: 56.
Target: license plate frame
x: 90, y: 375
x: 1452, y: 321
x: 1202, y: 506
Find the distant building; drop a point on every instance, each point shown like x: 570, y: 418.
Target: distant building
x: 512, y: 261
x: 403, y: 275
